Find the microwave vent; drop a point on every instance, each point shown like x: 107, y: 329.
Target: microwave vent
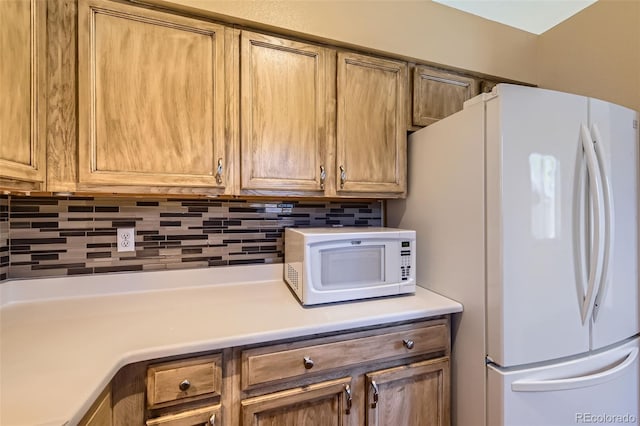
x: 292, y: 276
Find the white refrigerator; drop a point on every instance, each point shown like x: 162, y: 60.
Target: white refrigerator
x: 525, y: 205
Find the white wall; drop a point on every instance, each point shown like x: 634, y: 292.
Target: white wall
x: 595, y: 53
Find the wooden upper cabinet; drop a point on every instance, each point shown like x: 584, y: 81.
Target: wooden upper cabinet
x: 371, y: 133
x: 487, y: 86
x: 151, y: 98
x: 438, y: 94
x: 414, y: 394
x: 22, y: 85
x: 285, y: 102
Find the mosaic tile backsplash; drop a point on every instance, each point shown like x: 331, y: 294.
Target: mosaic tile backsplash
x: 69, y: 236
x: 4, y: 237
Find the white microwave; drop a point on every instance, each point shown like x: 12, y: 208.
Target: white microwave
x: 323, y: 265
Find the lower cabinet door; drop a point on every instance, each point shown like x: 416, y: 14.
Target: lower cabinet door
x: 322, y: 404
x: 101, y: 413
x: 409, y: 395
x: 209, y: 416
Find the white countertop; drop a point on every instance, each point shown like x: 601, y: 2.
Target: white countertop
x: 63, y: 339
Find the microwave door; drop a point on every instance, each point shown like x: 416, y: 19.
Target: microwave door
x: 353, y: 264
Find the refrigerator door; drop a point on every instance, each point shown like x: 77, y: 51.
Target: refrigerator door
x: 615, y: 316
x: 536, y: 283
x: 600, y: 389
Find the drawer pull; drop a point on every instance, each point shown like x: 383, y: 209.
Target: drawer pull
x: 374, y: 386
x: 184, y: 385
x: 212, y: 420
x: 408, y: 343
x: 347, y: 395
x: 308, y: 363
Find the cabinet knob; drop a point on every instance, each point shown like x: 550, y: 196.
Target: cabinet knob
x: 212, y: 420
x: 184, y: 385
x: 408, y: 343
x: 308, y: 363
x: 343, y: 176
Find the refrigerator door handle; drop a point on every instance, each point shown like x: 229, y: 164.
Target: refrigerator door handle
x: 608, y: 221
x: 577, y: 382
x: 598, y: 242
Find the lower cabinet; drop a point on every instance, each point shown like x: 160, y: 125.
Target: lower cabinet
x: 415, y: 394
x: 100, y: 414
x: 385, y: 376
x: 320, y: 404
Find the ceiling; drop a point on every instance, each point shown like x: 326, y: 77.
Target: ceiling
x: 534, y: 16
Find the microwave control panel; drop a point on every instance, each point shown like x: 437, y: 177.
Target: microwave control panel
x: 405, y: 260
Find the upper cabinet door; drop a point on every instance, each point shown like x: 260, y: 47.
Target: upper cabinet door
x: 22, y: 84
x: 438, y: 94
x: 371, y: 125
x: 285, y: 102
x: 151, y: 98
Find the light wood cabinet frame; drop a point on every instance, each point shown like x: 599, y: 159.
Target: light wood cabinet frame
x: 23, y: 121
x: 347, y: 128
x: 78, y: 164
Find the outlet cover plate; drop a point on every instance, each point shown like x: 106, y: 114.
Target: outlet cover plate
x: 126, y: 239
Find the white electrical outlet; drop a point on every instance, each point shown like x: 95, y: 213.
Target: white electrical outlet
x: 126, y: 239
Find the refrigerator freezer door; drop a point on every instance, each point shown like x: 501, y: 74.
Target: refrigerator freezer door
x: 616, y: 316
x: 535, y: 279
x: 601, y: 389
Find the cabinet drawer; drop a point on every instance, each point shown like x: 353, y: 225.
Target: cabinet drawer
x: 275, y: 363
x: 174, y: 381
x: 200, y: 416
